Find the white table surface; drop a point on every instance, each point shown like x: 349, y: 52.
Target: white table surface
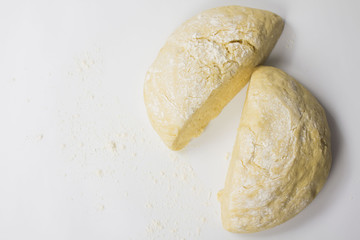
x: 78, y: 156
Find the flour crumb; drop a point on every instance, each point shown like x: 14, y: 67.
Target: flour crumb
x: 154, y: 226
x: 174, y: 157
x: 101, y: 207
x: 123, y: 135
x: 290, y: 43
x: 149, y: 205
x: 40, y: 137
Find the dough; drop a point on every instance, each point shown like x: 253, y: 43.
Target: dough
x: 203, y: 65
x: 281, y: 157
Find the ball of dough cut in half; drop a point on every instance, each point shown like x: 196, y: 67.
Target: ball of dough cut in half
x: 281, y: 158
x: 203, y: 65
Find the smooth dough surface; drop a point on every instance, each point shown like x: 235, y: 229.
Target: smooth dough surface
x: 203, y: 65
x: 281, y: 158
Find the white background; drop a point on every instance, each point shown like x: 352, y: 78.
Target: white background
x: 79, y: 159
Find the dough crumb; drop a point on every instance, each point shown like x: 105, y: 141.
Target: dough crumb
x: 100, y: 173
x: 113, y: 146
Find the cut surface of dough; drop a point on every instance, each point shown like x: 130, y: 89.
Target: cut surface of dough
x: 203, y: 65
x: 281, y: 157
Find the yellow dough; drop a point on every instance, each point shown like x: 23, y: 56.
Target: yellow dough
x: 203, y: 65
x: 281, y: 158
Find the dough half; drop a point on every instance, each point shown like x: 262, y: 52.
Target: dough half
x: 281, y: 158
x: 203, y: 65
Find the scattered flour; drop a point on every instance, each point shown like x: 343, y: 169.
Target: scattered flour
x: 97, y: 137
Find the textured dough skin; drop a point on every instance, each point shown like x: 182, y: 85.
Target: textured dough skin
x: 203, y: 65
x: 281, y: 158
